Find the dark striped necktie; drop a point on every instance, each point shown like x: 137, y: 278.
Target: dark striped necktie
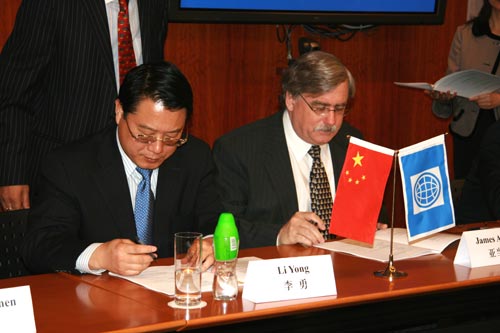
x: 321, y: 196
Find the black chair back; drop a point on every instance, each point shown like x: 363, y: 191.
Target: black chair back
x: 12, y: 229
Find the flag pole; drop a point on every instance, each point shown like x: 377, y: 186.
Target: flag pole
x: 390, y: 272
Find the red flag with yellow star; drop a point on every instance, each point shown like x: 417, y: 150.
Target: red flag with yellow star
x: 360, y: 190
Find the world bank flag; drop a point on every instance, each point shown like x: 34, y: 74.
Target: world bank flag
x: 426, y: 188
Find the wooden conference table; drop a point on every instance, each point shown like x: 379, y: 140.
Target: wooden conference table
x: 436, y: 294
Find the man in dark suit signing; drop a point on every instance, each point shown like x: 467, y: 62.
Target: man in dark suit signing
x: 264, y: 167
x: 59, y: 77
x: 82, y: 216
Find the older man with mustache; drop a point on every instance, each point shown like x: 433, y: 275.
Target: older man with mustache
x: 265, y: 168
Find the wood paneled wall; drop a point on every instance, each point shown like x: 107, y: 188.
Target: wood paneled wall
x: 234, y: 70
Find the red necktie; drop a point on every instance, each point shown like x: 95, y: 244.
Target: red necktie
x: 126, y: 56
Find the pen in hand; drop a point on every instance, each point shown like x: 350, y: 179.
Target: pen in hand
x: 312, y: 222
x: 151, y: 254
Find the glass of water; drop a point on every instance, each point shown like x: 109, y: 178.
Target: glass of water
x: 187, y: 257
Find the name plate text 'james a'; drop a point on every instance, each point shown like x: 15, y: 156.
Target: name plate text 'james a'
x: 479, y: 248
x: 289, y: 278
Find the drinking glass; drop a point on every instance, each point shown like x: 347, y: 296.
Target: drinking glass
x: 187, y: 256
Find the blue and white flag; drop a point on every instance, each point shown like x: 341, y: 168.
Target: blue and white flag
x: 426, y: 188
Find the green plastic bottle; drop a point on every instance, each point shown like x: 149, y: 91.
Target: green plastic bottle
x: 226, y: 238
x: 226, y: 246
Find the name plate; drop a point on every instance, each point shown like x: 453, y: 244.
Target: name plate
x: 479, y: 248
x: 289, y: 278
x: 16, y: 310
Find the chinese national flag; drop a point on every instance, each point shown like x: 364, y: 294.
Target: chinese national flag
x: 360, y: 190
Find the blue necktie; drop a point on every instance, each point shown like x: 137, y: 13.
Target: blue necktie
x: 144, y: 201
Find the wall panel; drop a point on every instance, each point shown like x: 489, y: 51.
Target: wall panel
x: 234, y: 70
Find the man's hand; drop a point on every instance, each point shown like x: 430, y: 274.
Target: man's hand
x: 14, y: 197
x: 303, y: 228
x: 122, y: 256
x: 381, y: 226
x: 207, y: 253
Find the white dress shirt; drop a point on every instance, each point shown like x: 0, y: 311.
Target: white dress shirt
x: 302, y: 164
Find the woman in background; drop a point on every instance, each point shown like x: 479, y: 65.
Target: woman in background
x: 476, y: 45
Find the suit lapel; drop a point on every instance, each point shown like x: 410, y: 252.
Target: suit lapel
x: 96, y: 14
x: 278, y: 166
x: 111, y: 184
x: 338, y: 152
x: 143, y: 22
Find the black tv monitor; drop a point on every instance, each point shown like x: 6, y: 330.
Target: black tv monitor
x: 349, y: 12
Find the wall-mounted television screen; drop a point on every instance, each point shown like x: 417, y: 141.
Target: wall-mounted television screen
x: 354, y: 12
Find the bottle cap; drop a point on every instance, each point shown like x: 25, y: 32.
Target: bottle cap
x: 226, y: 238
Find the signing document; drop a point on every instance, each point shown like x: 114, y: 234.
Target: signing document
x: 162, y: 278
x: 380, y: 249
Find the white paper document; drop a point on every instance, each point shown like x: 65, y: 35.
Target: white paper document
x: 162, y: 278
x: 380, y: 249
x: 467, y: 83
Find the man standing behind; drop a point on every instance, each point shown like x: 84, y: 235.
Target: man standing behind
x: 59, y: 74
x: 265, y: 168
x: 86, y: 212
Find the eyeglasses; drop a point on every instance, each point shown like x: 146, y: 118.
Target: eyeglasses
x: 322, y: 109
x: 149, y: 139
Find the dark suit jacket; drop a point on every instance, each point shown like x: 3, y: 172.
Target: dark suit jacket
x: 83, y: 197
x: 57, y: 80
x: 480, y: 200
x: 255, y: 177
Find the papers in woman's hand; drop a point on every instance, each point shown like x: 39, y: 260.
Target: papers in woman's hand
x: 467, y: 83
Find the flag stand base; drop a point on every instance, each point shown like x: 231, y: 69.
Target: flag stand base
x: 390, y: 272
